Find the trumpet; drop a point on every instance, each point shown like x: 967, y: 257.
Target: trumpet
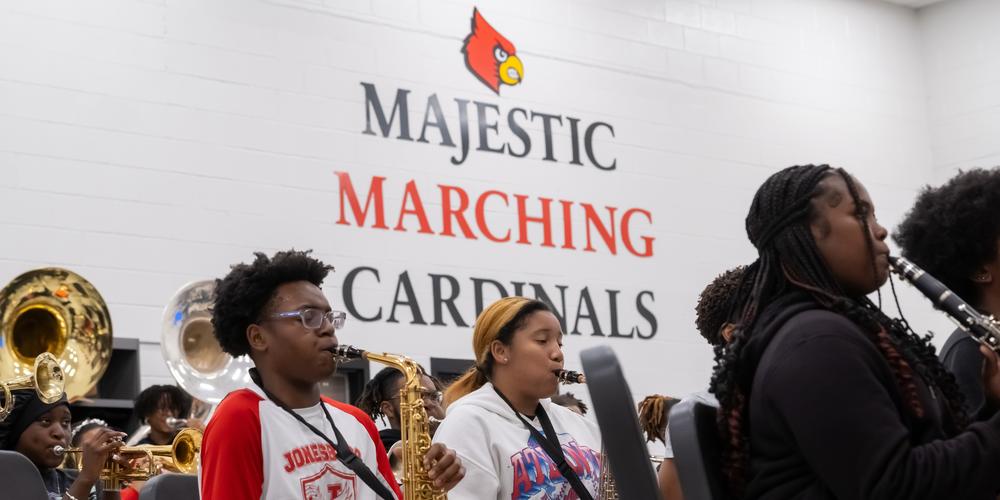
x: 181, y: 456
x: 46, y: 379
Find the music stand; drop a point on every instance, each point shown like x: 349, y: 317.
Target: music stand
x: 623, y: 442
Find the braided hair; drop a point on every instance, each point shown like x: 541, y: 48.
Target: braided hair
x: 382, y: 387
x: 790, y: 266
x: 654, y: 413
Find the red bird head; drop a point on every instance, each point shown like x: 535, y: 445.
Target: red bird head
x: 490, y: 56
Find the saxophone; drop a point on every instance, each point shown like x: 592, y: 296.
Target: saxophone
x: 414, y: 424
x: 606, y: 488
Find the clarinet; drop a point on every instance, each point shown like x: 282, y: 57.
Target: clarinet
x: 984, y: 328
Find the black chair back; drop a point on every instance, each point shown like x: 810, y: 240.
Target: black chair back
x: 171, y: 487
x: 19, y: 478
x: 624, y: 445
x: 697, y: 452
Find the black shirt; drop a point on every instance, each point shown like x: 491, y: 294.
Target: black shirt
x: 827, y: 420
x: 961, y: 356
x: 389, y: 437
x: 58, y: 481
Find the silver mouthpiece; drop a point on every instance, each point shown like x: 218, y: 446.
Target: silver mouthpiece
x: 58, y: 451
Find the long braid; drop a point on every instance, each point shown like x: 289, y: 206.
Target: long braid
x: 779, y: 225
x: 913, y: 346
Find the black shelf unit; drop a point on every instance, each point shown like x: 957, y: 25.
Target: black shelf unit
x: 448, y: 369
x: 354, y: 374
x: 116, y: 390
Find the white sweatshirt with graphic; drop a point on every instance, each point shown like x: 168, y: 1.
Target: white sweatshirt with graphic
x: 503, y: 461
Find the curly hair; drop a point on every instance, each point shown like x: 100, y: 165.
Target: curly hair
x: 953, y: 229
x: 244, y: 295
x: 149, y: 400
x: 789, y: 270
x: 716, y: 304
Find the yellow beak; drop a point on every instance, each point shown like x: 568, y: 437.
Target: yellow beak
x: 511, y: 71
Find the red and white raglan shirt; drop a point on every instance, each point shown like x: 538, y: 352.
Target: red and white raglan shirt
x: 252, y: 449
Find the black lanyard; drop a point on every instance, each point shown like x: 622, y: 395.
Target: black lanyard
x: 551, y: 445
x: 344, y: 453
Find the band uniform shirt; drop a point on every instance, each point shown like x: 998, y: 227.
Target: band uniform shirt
x: 253, y: 449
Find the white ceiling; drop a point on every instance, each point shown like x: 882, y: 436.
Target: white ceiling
x: 916, y: 4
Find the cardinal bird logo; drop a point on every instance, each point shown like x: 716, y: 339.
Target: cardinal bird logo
x: 490, y: 56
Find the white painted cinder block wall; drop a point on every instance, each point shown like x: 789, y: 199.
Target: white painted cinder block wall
x: 146, y: 144
x: 961, y: 42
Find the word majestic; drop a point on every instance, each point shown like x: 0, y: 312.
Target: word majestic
x: 487, y: 123
x: 455, y: 212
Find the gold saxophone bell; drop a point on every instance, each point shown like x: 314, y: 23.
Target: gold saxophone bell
x: 46, y: 379
x: 183, y: 455
x: 55, y: 311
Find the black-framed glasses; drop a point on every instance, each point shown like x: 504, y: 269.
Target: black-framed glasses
x: 313, y: 318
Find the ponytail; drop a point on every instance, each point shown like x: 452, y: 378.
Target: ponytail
x: 499, y: 321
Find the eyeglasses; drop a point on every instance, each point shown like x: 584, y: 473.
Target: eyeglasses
x: 428, y: 396
x: 432, y: 396
x: 313, y: 318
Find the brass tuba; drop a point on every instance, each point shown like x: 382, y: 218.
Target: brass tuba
x: 414, y: 423
x: 46, y: 379
x: 56, y: 311
x: 191, y: 351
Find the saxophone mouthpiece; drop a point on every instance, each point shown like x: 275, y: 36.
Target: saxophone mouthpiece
x: 570, y: 377
x: 345, y: 352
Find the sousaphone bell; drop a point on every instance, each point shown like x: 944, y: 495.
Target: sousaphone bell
x: 191, y: 351
x: 57, y: 311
